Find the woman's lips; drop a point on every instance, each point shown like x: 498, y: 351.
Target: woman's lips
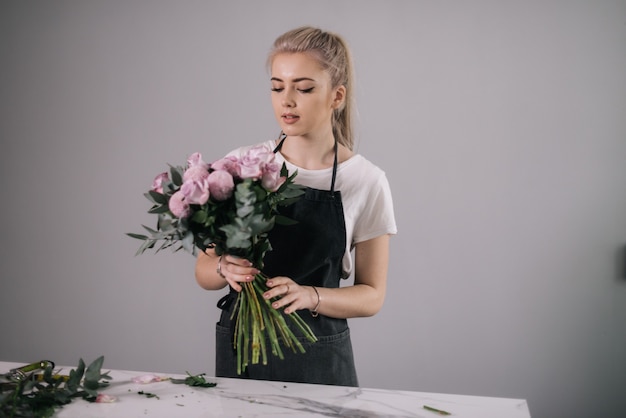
x: 290, y: 118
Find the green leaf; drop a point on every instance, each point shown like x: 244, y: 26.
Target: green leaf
x: 75, y: 376
x: 137, y: 236
x: 188, y: 242
x: 93, y: 370
x: 258, y: 224
x: 146, y: 245
x: 158, y: 197
x: 237, y: 236
x: 176, y: 174
x: 159, y: 209
x: 200, y: 217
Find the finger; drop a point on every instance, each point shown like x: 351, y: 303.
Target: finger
x: 241, y: 272
x: 290, y: 303
x: 238, y: 261
x: 279, y: 287
x: 239, y: 269
x: 236, y: 287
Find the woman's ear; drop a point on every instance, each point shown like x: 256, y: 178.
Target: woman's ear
x: 339, y: 97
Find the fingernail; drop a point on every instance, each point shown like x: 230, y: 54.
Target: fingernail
x: 270, y: 283
x: 266, y: 295
x: 275, y: 305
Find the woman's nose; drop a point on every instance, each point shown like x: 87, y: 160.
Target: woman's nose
x: 288, y: 99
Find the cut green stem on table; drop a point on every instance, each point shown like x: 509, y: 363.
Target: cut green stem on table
x: 437, y: 411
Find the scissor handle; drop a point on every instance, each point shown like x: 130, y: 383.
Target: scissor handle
x: 19, y: 373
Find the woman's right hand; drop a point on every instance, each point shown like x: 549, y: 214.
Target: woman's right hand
x: 235, y: 270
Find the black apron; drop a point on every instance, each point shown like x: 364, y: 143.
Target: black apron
x: 309, y: 252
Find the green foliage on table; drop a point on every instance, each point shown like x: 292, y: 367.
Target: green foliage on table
x: 40, y: 394
x: 197, y: 380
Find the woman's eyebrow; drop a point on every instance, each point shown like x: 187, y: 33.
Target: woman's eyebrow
x: 295, y: 80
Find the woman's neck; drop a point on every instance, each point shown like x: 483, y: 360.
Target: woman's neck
x: 309, y: 153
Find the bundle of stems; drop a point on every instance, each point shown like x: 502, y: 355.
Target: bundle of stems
x: 257, y: 322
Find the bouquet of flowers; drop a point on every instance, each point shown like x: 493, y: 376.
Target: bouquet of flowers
x: 230, y: 205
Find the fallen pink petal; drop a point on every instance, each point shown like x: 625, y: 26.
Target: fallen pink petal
x: 148, y: 378
x: 102, y: 398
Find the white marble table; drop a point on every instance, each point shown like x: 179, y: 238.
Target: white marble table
x: 254, y: 398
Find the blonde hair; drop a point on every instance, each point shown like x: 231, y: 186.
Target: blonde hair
x: 333, y: 54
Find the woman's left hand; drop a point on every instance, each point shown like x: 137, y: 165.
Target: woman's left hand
x: 291, y: 295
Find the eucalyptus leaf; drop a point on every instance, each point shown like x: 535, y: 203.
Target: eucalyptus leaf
x: 188, y: 241
x: 176, y: 175
x: 158, y: 197
x: 258, y: 224
x: 159, y: 209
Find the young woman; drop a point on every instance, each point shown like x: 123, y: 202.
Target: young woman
x: 344, y: 220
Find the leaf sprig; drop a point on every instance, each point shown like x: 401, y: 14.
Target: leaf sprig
x: 197, y: 380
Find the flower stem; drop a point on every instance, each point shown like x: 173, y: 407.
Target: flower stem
x: 256, y: 320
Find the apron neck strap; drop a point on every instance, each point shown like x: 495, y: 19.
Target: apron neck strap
x: 282, y: 138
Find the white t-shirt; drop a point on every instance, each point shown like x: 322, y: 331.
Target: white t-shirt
x: 365, y: 193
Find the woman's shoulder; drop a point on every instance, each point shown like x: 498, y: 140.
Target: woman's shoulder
x: 361, y: 166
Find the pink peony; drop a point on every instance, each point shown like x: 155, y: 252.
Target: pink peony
x: 157, y: 183
x: 195, y: 173
x: 229, y: 164
x: 178, y: 205
x: 195, y: 192
x: 221, y: 184
x: 102, y: 398
x: 271, y: 179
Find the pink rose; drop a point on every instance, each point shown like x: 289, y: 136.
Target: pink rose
x: 102, y: 398
x: 262, y: 153
x: 178, y: 205
x: 229, y: 164
x: 253, y: 163
x: 221, y: 184
x: 195, y: 192
x: 195, y: 160
x: 157, y: 183
x: 272, y: 179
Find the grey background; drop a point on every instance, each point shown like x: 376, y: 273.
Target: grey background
x: 501, y: 126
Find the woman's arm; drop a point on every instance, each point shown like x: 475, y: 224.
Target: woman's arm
x: 364, y: 298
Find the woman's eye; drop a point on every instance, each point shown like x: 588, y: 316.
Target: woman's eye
x: 306, y: 90
x: 277, y: 89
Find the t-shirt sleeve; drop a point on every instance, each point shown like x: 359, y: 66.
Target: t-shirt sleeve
x: 377, y: 217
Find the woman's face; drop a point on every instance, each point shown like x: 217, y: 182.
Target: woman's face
x: 302, y: 96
